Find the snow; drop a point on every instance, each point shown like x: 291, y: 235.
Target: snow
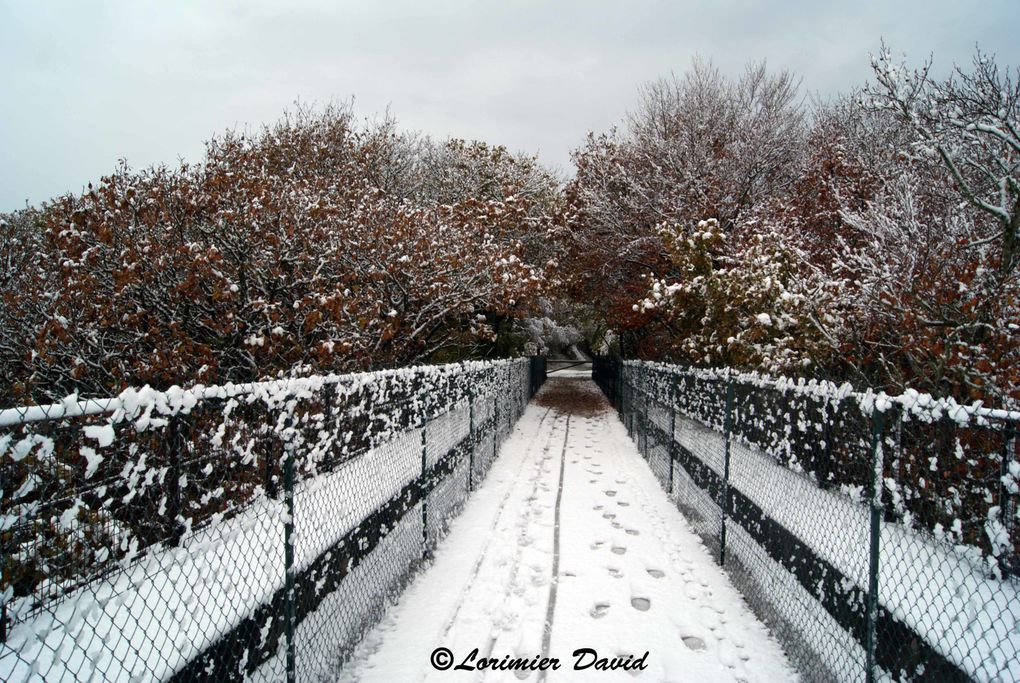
x: 632, y: 576
x: 92, y: 459
x: 139, y: 403
x: 103, y: 434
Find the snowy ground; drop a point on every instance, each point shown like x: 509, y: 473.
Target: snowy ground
x: 570, y: 543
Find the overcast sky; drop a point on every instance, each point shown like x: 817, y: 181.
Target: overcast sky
x: 85, y: 83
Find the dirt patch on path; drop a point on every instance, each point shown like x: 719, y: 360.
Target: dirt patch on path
x: 573, y: 397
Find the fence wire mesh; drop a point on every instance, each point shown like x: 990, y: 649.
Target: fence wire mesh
x: 878, y: 537
x: 244, y: 532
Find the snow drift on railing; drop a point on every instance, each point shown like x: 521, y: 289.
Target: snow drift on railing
x: 917, y: 403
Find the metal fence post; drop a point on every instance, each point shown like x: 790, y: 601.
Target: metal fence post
x: 1006, y: 510
x: 645, y: 420
x: 509, y: 412
x: 631, y: 398
x: 636, y: 412
x: 625, y: 401
x: 643, y: 417
x: 5, y: 571
x: 672, y: 443
x: 471, y: 438
x: 727, y: 433
x: 533, y: 368
x: 288, y: 550
x: 824, y: 468
x: 519, y: 393
x: 617, y: 370
x: 272, y: 455
x: 173, y: 486
x: 631, y: 392
x: 870, y: 644
x: 424, y: 496
x: 638, y: 399
x: 495, y: 424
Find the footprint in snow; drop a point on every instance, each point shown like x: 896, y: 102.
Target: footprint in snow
x: 610, y: 493
x: 633, y: 532
x: 599, y: 610
x: 692, y: 593
x: 656, y: 573
x: 624, y: 655
x: 608, y: 515
x: 596, y: 545
x: 693, y: 642
x: 597, y: 507
x: 619, y: 550
x: 614, y: 572
x: 641, y: 604
x: 622, y: 503
x: 727, y: 655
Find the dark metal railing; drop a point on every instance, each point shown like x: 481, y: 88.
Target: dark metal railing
x: 878, y: 536
x: 222, y: 532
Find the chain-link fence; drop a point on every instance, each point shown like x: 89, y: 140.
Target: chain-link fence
x: 235, y: 532
x: 877, y: 536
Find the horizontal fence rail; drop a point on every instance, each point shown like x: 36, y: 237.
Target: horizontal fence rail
x: 878, y: 536
x: 242, y: 532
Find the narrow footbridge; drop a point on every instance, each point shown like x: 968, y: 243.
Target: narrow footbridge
x: 570, y: 547
x: 477, y: 522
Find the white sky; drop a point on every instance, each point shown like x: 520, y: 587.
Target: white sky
x: 83, y: 84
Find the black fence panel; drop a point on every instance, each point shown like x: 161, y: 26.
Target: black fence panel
x: 236, y: 532
x: 877, y: 536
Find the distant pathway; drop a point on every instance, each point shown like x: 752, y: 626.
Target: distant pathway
x: 570, y: 543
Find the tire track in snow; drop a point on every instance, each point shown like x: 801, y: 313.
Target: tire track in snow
x: 492, y: 528
x: 554, y: 582
x: 523, y: 525
x: 512, y: 487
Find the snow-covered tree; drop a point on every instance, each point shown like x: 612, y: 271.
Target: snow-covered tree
x: 700, y: 145
x: 933, y: 252
x: 759, y: 304
x: 970, y: 121
x: 279, y: 250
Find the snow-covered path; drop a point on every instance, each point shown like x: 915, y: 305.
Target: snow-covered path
x: 570, y: 543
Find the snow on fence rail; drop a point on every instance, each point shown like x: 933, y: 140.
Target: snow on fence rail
x: 235, y: 532
x: 879, y: 536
